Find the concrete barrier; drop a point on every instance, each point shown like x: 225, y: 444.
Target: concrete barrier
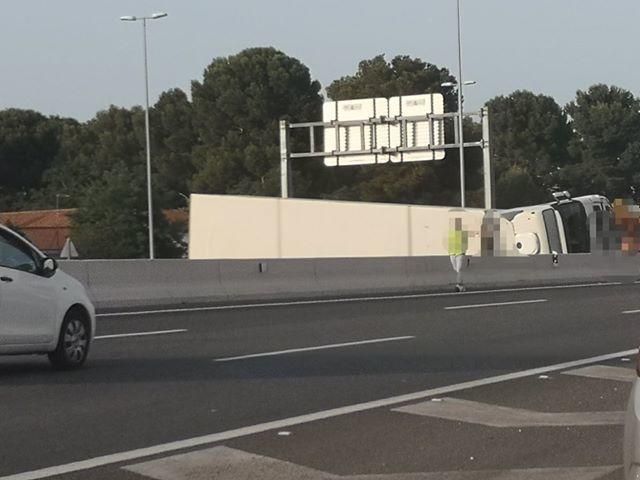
x: 267, y: 279
x: 133, y: 284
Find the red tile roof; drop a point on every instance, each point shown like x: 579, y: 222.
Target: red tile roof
x: 177, y: 215
x: 49, y: 229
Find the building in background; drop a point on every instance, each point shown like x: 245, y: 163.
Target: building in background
x: 49, y: 229
x: 46, y: 229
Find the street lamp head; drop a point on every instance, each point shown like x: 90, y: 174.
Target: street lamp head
x: 128, y: 18
x: 455, y: 84
x: 158, y: 15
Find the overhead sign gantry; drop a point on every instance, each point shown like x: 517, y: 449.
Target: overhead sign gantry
x: 375, y: 131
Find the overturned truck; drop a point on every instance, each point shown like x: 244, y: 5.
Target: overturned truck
x: 234, y: 227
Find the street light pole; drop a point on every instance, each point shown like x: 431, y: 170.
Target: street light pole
x: 148, y: 140
x: 460, y: 112
x: 155, y: 16
x: 460, y: 136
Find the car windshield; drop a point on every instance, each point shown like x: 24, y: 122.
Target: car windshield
x: 576, y: 226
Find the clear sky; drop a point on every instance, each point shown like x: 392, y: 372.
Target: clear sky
x: 74, y: 57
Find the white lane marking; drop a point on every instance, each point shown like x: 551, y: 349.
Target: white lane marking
x: 225, y: 463
x: 627, y: 312
x: 348, y: 300
x: 310, y: 349
x: 140, y: 334
x: 301, y: 419
x: 498, y: 304
x: 468, y: 411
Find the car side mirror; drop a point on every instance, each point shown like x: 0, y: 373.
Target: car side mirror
x: 49, y: 267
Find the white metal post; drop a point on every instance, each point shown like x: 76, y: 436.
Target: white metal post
x: 489, y: 188
x: 285, y: 164
x: 460, y: 113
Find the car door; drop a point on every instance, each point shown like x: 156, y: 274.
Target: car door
x: 29, y: 307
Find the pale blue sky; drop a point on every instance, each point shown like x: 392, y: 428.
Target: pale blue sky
x: 74, y: 57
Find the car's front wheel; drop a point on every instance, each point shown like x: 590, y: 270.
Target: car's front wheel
x: 73, y: 343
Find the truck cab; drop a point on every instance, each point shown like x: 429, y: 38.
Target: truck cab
x: 568, y: 225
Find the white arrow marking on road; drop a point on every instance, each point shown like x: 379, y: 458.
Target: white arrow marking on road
x: 499, y: 304
x: 506, y: 417
x: 223, y: 463
x: 310, y: 349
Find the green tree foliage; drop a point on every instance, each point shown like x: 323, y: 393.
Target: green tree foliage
x: 29, y: 142
x: 517, y: 187
x: 111, y: 221
x: 173, y: 139
x: 403, y: 75
x: 102, y: 166
x: 530, y: 137
x: 424, y: 182
x: 237, y: 107
x: 115, y: 137
x: 605, y: 150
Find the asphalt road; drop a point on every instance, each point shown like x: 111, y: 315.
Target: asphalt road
x: 201, y: 376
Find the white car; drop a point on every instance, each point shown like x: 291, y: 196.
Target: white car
x: 42, y: 309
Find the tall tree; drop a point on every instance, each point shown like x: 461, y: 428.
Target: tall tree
x: 113, y: 138
x: 29, y: 142
x: 237, y: 107
x: 102, y: 166
x: 403, y: 75
x: 606, y: 120
x: 173, y: 139
x: 530, y: 136
x: 111, y: 221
